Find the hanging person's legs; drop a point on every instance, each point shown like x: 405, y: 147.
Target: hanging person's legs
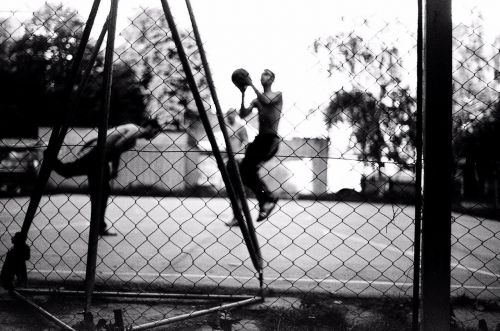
x: 262, y: 149
x: 86, y: 165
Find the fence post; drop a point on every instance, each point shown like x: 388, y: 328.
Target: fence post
x: 436, y: 227
x: 320, y: 165
x: 98, y: 204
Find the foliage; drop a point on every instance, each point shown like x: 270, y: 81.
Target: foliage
x: 373, y: 100
x: 376, y: 100
x: 381, y: 132
x: 37, y: 67
x: 152, y: 52
x: 474, y: 96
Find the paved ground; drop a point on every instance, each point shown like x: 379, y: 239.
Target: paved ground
x: 344, y: 248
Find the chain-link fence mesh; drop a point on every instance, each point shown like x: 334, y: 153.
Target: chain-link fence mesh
x: 344, y: 222
x: 475, y: 231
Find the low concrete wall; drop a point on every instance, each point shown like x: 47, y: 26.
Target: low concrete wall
x: 167, y: 164
x: 159, y: 164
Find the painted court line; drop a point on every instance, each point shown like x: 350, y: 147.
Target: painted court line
x: 391, y: 247
x: 352, y: 237
x: 246, y: 279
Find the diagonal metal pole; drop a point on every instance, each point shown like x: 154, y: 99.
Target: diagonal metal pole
x: 88, y: 70
x: 43, y: 312
x: 59, y: 130
x: 238, y: 185
x: 211, y: 137
x: 97, y: 204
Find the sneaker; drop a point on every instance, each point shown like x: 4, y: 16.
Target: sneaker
x: 234, y: 222
x: 266, y: 209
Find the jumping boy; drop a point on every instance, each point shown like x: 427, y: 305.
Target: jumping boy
x: 269, y: 105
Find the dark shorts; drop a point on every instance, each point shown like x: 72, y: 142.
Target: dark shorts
x: 262, y: 149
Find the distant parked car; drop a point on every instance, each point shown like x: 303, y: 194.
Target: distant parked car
x: 19, y: 165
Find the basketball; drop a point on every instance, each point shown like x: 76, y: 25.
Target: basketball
x: 240, y: 78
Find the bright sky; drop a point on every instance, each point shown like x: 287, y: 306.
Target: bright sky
x: 275, y: 34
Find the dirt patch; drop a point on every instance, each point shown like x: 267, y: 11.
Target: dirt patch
x: 306, y: 312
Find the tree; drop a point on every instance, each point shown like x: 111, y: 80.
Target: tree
x: 373, y: 99
x: 152, y: 52
x: 38, y: 65
x: 473, y: 98
x: 477, y: 150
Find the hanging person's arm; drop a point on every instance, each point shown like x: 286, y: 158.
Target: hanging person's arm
x: 245, y: 111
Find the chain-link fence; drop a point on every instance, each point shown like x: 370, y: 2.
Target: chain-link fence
x: 344, y: 222
x: 475, y: 232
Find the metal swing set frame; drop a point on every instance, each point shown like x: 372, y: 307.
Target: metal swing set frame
x: 234, y: 186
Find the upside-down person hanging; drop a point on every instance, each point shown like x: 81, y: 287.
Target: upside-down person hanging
x: 118, y: 140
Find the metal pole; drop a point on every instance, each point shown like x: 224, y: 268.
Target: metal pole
x: 229, y: 149
x: 418, y: 176
x: 210, y: 135
x: 195, y: 314
x: 101, y: 148
x: 58, y: 131
x: 42, y: 311
x: 93, y: 58
x: 138, y: 295
x: 436, y: 227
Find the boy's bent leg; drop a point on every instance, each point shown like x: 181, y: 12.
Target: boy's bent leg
x: 268, y: 199
x: 250, y: 177
x: 77, y: 167
x: 67, y: 170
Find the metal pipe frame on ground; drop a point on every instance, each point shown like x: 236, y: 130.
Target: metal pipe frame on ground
x: 197, y: 313
x: 137, y: 295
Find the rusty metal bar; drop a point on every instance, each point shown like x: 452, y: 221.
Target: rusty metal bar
x: 436, y: 227
x: 197, y: 313
x: 139, y: 295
